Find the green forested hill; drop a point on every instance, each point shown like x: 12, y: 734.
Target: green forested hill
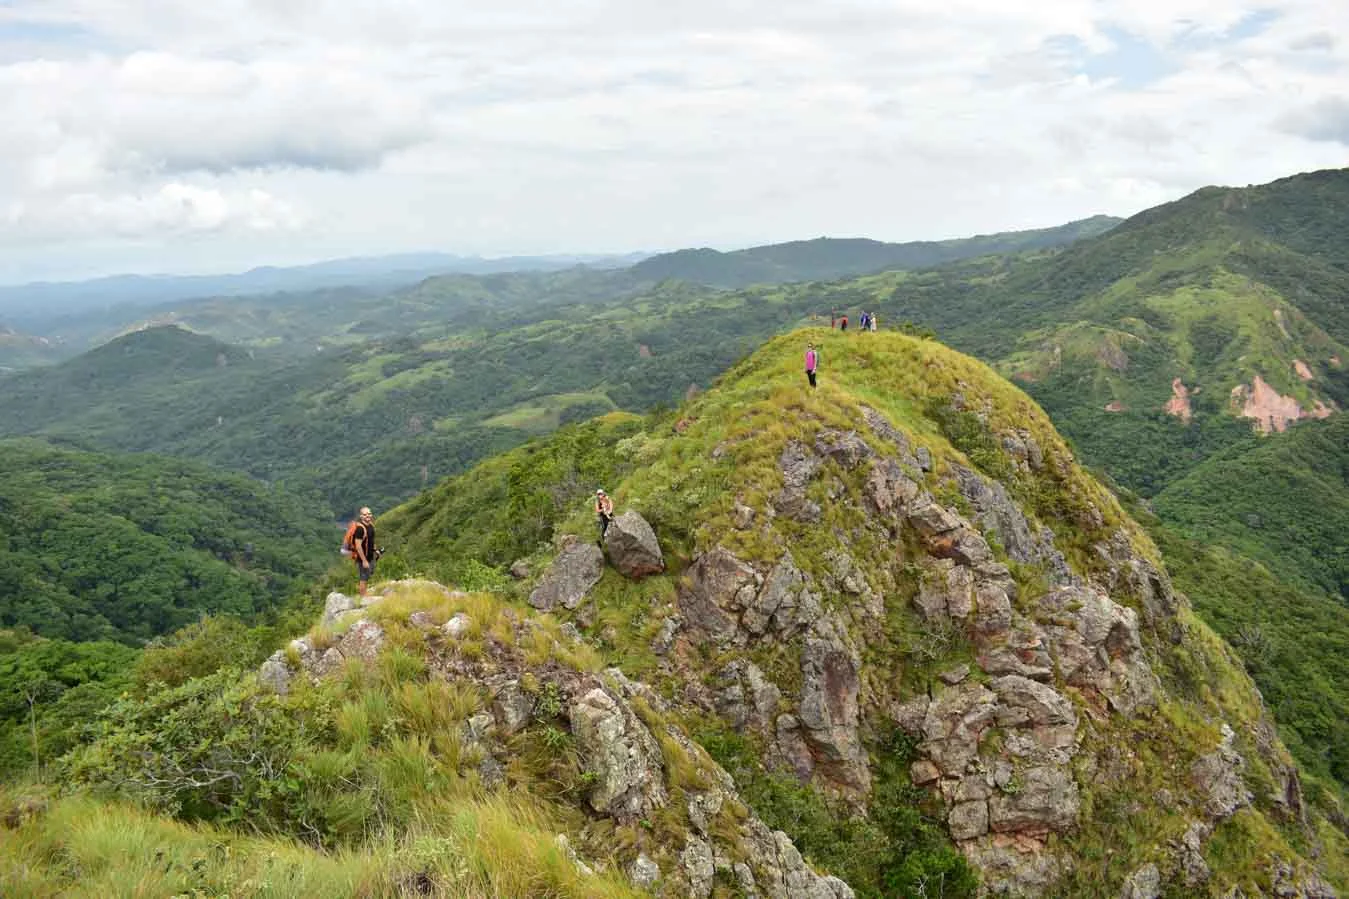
x: 299, y: 322
x: 1283, y: 500
x: 1100, y: 333
x: 830, y: 259
x: 100, y: 546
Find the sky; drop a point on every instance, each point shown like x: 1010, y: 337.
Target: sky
x: 175, y: 136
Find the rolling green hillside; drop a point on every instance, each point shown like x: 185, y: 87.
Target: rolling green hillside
x: 1186, y: 301
x: 693, y: 482
x: 112, y: 547
x: 1149, y: 343
x: 1283, y: 501
x: 298, y: 322
x: 831, y: 259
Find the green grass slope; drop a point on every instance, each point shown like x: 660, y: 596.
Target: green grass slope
x: 687, y: 471
x: 102, y: 546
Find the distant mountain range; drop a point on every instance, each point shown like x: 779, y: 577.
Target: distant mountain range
x: 36, y: 304
x: 828, y: 259
x: 350, y: 300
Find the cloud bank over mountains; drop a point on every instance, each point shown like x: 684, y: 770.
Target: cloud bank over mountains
x: 156, y: 134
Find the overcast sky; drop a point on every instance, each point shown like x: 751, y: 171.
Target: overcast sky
x: 169, y: 135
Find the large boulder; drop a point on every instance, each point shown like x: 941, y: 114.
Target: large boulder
x: 275, y: 673
x: 569, y: 578
x: 633, y: 547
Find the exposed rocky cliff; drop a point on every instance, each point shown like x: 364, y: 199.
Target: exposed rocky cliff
x: 859, y: 568
x: 637, y: 764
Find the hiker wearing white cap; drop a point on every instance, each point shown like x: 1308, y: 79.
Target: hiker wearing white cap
x: 604, y: 511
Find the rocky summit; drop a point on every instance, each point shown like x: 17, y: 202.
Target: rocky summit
x: 912, y: 554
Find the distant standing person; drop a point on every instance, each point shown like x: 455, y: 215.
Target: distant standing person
x: 872, y: 321
x: 843, y: 323
x: 865, y: 322
x: 604, y: 512
x: 812, y: 360
x: 363, y: 547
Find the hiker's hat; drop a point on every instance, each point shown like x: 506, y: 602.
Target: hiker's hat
x: 599, y: 492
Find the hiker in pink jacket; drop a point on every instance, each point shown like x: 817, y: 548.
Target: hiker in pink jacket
x: 811, y: 361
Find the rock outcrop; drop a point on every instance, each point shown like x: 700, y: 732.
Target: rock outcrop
x: 621, y: 754
x: 633, y: 547
x: 624, y: 746
x: 577, y: 568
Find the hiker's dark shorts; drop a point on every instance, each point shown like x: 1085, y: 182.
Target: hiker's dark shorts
x: 364, y: 571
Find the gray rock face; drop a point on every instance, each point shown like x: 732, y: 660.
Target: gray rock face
x: 633, y: 547
x: 1218, y: 777
x: 511, y: 707
x: 845, y: 448
x: 1009, y: 871
x: 889, y: 491
x: 784, y: 605
x: 945, y: 590
x: 998, y: 514
x: 783, y: 874
x: 968, y: 820
x: 696, y: 860
x: 362, y: 641
x: 1194, y: 871
x: 953, y: 725
x: 275, y: 673
x: 791, y: 747
x: 715, y: 581
x: 747, y: 698
x: 1099, y: 647
x: 644, y: 872
x: 1145, y: 883
x: 1046, y: 799
x: 457, y: 626
x: 335, y: 605
x: 830, y: 670
x: 742, y: 517
x: 664, y: 639
x: 798, y: 465
x: 566, y: 582
x: 622, y: 754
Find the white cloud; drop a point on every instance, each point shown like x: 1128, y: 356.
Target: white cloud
x: 529, y: 126
x: 174, y: 208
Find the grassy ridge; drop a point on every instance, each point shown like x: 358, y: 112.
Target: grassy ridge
x: 726, y: 451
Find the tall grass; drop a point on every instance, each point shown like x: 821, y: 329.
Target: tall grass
x: 494, y: 848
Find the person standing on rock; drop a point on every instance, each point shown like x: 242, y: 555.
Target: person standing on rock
x: 604, y: 511
x: 812, y: 361
x: 363, y: 546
